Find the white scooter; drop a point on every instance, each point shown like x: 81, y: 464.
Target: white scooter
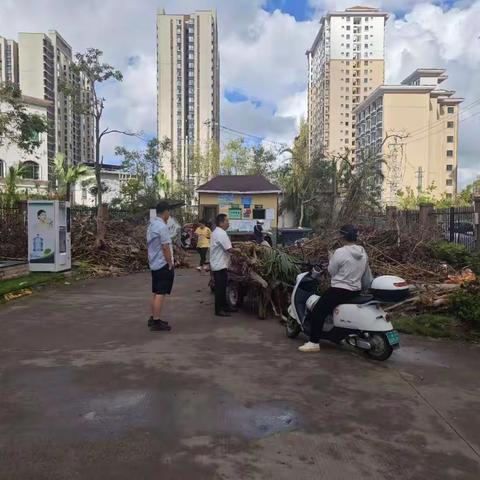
x: 361, y: 323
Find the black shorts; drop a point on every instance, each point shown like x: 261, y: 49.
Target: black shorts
x: 162, y: 281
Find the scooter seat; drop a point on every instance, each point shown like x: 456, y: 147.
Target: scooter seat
x: 360, y: 300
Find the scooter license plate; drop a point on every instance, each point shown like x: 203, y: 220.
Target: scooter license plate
x: 393, y: 337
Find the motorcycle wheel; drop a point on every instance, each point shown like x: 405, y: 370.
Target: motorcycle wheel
x: 292, y: 328
x: 381, y: 350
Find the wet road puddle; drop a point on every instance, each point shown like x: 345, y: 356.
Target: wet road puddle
x: 51, y: 402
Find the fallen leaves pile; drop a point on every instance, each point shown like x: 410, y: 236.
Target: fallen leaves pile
x: 125, y: 249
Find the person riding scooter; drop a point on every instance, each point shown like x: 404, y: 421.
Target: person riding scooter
x: 350, y: 273
x: 258, y: 232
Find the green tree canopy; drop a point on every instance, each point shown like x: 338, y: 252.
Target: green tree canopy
x: 17, y: 126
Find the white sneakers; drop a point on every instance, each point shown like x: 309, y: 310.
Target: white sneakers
x: 199, y: 269
x: 309, y: 347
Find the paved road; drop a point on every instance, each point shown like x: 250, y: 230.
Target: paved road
x: 87, y: 392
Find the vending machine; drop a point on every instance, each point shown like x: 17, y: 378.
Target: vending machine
x: 49, y: 237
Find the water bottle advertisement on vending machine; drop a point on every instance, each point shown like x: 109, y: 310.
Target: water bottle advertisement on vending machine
x: 42, y: 233
x: 49, y: 239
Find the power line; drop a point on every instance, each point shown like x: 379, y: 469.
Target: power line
x: 256, y: 137
x: 421, y: 130
x: 414, y: 139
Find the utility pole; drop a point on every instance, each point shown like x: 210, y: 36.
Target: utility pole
x: 334, y: 186
x: 419, y: 175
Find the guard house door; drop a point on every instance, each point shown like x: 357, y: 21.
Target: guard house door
x: 209, y: 213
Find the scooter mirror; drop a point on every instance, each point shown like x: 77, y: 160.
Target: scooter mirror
x: 317, y: 271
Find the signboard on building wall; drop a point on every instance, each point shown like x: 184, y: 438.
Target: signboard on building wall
x: 222, y: 208
x: 246, y: 201
x: 226, y: 198
x: 247, y: 213
x: 235, y: 212
x: 246, y: 225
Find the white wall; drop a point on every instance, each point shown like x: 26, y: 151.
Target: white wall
x: 113, y: 180
x: 11, y: 155
x: 339, y: 35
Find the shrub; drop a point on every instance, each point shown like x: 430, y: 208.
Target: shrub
x: 457, y: 256
x: 465, y: 304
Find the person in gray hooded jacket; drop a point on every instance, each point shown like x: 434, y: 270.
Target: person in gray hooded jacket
x: 350, y: 273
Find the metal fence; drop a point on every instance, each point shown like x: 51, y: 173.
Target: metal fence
x: 411, y: 217
x: 456, y: 225
x: 378, y: 220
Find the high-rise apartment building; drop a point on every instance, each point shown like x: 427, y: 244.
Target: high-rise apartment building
x: 188, y: 89
x: 8, y: 61
x: 413, y: 127
x: 45, y: 62
x: 345, y: 64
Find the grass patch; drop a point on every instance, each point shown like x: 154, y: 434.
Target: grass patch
x: 33, y: 279
x: 435, y: 326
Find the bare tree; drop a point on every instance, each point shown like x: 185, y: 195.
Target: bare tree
x: 88, y: 102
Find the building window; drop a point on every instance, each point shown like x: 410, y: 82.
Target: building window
x: 30, y: 170
x: 451, y: 109
x: 449, y: 153
x: 449, y: 139
x: 259, y: 212
x: 450, y: 124
x: 84, y: 193
x: 449, y: 168
x: 449, y: 183
x: 2, y: 169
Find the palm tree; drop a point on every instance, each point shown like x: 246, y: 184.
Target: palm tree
x: 67, y: 175
x: 10, y: 195
x: 163, y: 184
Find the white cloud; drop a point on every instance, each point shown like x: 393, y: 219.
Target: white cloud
x: 262, y: 55
x: 429, y: 36
x: 270, y: 63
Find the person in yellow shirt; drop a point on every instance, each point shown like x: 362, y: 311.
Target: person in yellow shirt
x: 203, y: 234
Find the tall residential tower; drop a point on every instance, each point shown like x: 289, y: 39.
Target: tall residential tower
x: 414, y: 128
x: 345, y: 64
x: 45, y: 62
x: 188, y: 89
x: 8, y: 61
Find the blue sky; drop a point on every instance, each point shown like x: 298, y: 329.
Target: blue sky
x: 299, y: 9
x: 262, y: 50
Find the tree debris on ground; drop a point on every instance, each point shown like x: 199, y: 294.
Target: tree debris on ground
x: 408, y: 255
x: 125, y: 249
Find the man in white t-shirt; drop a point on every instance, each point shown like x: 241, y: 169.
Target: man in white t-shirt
x: 220, y: 250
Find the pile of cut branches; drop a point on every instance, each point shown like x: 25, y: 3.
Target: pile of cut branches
x: 390, y: 253
x: 408, y: 255
x: 125, y: 249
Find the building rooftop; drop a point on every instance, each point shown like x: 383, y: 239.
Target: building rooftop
x: 438, y: 73
x: 445, y: 96
x: 39, y: 102
x: 352, y: 11
x: 358, y: 10
x: 238, y: 184
x: 362, y: 8
x: 106, y: 166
